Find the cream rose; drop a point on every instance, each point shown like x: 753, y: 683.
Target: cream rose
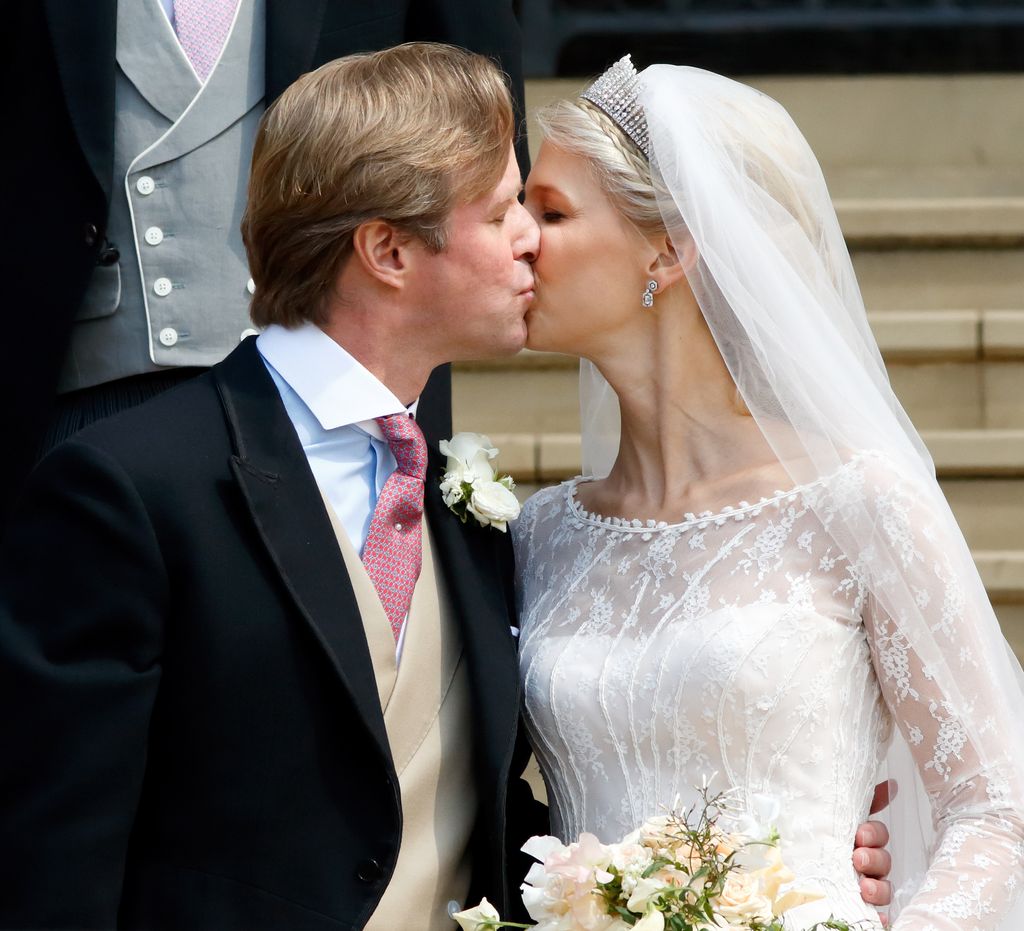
x: 742, y: 899
x: 469, y: 457
x: 481, y: 918
x: 492, y: 503
x: 652, y: 921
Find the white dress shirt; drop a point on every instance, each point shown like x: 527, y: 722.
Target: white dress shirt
x: 332, y: 401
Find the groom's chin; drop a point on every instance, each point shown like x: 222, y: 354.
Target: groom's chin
x: 502, y: 344
x: 535, y: 339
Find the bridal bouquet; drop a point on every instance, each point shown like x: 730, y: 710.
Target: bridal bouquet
x: 677, y: 872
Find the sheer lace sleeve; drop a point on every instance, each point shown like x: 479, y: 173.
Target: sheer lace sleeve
x: 937, y: 673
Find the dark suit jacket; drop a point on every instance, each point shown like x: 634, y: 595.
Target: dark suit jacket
x: 57, y: 64
x: 191, y: 732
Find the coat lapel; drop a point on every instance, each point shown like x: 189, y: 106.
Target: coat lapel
x: 284, y: 501
x: 476, y: 565
x: 84, y: 36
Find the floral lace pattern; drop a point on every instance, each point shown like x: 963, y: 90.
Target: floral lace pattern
x: 745, y: 643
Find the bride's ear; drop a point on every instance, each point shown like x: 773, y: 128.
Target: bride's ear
x: 670, y: 264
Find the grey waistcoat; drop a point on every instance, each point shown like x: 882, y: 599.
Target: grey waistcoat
x: 179, y: 295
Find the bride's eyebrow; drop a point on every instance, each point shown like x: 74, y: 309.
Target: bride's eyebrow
x: 547, y: 189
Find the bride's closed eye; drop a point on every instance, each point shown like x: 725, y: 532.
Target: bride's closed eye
x: 552, y: 216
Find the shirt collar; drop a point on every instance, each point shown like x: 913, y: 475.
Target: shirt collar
x: 334, y: 386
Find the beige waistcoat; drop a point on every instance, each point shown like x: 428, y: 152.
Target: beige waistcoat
x: 427, y: 713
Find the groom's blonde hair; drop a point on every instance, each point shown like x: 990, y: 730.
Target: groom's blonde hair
x: 402, y: 135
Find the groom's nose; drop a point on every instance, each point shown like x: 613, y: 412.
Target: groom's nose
x: 527, y: 242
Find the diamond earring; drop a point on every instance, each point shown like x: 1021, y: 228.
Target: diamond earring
x: 648, y: 299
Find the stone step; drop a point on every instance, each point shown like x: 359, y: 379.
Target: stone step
x: 965, y: 460
x: 1011, y: 619
x: 935, y: 374
x: 982, y: 279
x: 905, y: 221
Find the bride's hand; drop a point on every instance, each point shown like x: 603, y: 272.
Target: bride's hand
x: 870, y: 859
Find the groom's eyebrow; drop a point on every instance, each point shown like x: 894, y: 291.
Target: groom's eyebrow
x: 513, y: 196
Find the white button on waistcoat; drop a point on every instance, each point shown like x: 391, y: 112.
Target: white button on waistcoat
x: 162, y: 287
x: 145, y: 185
x: 250, y: 286
x: 168, y: 336
x: 154, y: 235
x: 248, y: 333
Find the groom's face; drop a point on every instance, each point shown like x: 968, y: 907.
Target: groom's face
x: 479, y: 288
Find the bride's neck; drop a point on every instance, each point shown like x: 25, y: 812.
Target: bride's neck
x: 683, y: 424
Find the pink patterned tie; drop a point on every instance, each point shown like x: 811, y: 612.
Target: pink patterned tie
x: 392, y: 554
x: 202, y: 27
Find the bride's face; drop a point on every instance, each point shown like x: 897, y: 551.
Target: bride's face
x: 589, y: 272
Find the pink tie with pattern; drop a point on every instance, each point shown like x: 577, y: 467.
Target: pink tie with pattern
x: 392, y: 554
x: 202, y: 27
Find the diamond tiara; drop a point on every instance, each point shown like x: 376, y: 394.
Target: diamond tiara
x: 615, y: 93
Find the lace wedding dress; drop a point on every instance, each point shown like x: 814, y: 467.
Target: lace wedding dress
x: 744, y: 644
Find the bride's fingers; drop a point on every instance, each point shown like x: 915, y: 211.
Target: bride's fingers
x: 872, y: 863
x: 871, y: 834
x: 877, y: 892
x: 885, y: 792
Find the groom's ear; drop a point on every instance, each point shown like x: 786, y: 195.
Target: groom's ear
x: 382, y: 251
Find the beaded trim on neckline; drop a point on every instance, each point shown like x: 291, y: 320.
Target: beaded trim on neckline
x: 702, y: 520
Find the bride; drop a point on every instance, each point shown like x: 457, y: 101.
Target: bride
x: 758, y: 577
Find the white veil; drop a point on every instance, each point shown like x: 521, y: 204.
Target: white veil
x: 776, y: 286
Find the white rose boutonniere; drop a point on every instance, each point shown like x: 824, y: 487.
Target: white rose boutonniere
x: 472, y: 487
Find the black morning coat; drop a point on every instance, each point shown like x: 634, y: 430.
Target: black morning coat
x: 56, y: 163
x: 191, y: 732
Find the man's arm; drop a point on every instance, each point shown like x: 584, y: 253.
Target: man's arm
x: 82, y: 596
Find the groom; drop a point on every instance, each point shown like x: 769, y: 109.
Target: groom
x: 213, y: 713
x: 253, y: 674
